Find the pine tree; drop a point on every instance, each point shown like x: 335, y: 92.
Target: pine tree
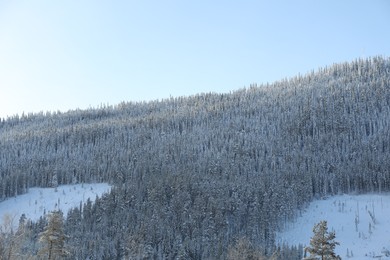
x: 322, y: 244
x: 53, y: 237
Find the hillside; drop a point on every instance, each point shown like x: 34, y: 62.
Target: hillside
x: 193, y: 175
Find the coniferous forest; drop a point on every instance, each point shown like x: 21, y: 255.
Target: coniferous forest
x: 205, y: 176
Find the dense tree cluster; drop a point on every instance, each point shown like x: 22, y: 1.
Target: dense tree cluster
x: 194, y: 175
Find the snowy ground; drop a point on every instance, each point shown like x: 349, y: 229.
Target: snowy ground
x: 40, y: 200
x: 361, y: 223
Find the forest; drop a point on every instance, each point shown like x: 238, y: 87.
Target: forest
x: 203, y: 176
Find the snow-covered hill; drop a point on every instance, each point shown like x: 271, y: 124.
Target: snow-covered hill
x: 39, y: 201
x: 361, y: 223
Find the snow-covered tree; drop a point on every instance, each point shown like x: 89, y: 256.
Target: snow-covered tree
x: 322, y: 244
x: 53, y: 237
x: 13, y: 245
x: 243, y: 249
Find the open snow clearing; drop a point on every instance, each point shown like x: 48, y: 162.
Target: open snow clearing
x: 361, y: 223
x: 39, y: 201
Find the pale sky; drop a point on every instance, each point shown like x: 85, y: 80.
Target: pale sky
x: 61, y: 55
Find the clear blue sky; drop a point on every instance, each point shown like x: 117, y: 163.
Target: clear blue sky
x: 61, y: 55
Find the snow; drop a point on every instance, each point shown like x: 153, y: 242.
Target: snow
x: 38, y: 201
x: 361, y: 223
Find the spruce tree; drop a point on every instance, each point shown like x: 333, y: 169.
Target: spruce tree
x: 322, y: 244
x: 53, y: 237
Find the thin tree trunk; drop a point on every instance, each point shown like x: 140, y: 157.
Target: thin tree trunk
x: 50, y: 248
x: 10, y: 250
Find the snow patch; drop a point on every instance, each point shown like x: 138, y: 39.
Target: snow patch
x: 361, y: 223
x: 38, y: 201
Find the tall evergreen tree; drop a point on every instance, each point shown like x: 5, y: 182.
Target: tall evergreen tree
x: 322, y: 244
x: 53, y: 237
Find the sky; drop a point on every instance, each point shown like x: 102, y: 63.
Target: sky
x: 64, y: 55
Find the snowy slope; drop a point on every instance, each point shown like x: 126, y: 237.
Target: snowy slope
x: 40, y: 200
x: 361, y: 223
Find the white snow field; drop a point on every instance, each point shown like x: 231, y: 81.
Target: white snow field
x: 40, y: 200
x: 361, y: 223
